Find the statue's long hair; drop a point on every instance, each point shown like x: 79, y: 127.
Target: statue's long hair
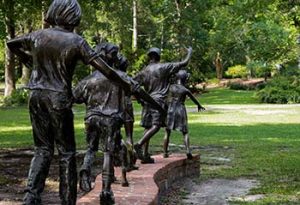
x: 64, y: 13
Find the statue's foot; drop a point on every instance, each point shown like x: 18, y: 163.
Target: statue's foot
x: 166, y: 155
x: 30, y: 199
x: 107, y: 198
x: 189, y: 156
x: 125, y: 183
x: 147, y: 160
x: 138, y: 151
x: 113, y: 179
x: 85, y: 183
x: 131, y: 167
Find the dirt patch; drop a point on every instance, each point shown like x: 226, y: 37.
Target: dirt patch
x: 216, y: 191
x: 14, y: 166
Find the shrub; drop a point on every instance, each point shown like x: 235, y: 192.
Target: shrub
x: 18, y: 97
x: 281, y: 90
x: 238, y: 71
x: 258, y: 69
x: 247, y: 85
x: 239, y: 86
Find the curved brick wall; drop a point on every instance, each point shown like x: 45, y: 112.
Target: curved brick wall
x: 147, y: 184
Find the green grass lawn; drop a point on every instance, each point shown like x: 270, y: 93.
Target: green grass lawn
x: 262, y: 141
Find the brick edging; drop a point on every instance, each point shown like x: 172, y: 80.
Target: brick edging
x: 147, y: 184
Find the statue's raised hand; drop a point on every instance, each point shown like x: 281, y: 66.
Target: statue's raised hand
x: 189, y: 49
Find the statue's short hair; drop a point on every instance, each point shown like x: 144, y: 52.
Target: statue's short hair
x: 106, y: 48
x: 155, y: 52
x: 64, y: 13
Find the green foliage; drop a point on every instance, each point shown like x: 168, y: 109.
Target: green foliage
x: 258, y: 69
x: 80, y: 72
x: 263, y: 32
x: 259, y: 146
x: 18, y: 97
x: 226, y: 96
x: 239, y: 86
x: 138, y: 64
x: 238, y: 71
x: 282, y: 90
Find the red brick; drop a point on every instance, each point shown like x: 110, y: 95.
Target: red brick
x: 146, y: 184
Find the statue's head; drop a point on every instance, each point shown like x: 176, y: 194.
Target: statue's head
x: 108, y: 51
x: 182, y: 75
x: 64, y: 13
x: 154, y: 53
x: 123, y: 63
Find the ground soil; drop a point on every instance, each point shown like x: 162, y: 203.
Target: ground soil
x: 14, y: 166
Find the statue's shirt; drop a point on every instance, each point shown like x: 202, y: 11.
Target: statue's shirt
x: 155, y: 79
x: 101, y: 96
x: 55, y: 53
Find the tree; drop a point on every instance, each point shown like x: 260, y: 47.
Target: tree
x: 134, y: 27
x: 9, y: 56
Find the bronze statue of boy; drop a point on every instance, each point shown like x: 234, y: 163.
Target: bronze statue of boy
x: 53, y: 54
x: 155, y: 78
x: 105, y: 110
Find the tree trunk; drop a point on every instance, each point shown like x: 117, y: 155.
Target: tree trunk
x: 9, y: 56
x: 25, y: 75
x: 135, y: 29
x: 26, y: 71
x: 44, y: 12
x: 219, y: 66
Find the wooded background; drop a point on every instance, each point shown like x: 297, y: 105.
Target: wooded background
x: 245, y: 32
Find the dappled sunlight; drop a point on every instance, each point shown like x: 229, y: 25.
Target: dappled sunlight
x: 247, y: 114
x: 52, y: 185
x: 78, y: 125
x: 14, y: 129
x: 235, y: 140
x: 276, y: 139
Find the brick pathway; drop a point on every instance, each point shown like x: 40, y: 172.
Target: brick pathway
x: 146, y: 183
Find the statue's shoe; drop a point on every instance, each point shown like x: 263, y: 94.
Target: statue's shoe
x: 131, y: 168
x: 85, y: 183
x: 107, y: 198
x: 166, y: 155
x: 31, y: 199
x: 189, y: 156
x: 147, y: 160
x: 138, y: 151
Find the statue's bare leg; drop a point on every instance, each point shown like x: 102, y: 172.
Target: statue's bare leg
x: 166, y: 142
x: 187, y: 145
x: 147, y: 136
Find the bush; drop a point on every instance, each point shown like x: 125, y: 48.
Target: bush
x: 247, y: 85
x: 281, y: 90
x: 238, y: 71
x: 239, y: 86
x: 258, y: 69
x: 18, y: 97
x: 81, y: 72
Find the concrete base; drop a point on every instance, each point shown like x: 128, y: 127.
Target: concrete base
x: 147, y: 184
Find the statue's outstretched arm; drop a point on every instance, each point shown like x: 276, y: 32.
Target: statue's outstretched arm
x: 200, y: 107
x: 179, y: 65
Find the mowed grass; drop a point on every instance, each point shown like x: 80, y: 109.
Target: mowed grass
x: 258, y: 141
